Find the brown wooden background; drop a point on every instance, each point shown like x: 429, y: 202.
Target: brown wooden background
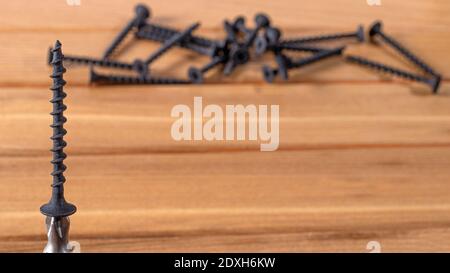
x: 361, y: 157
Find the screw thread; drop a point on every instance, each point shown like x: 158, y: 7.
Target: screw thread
x: 168, y: 44
x: 91, y: 61
x: 316, y: 57
x: 386, y: 69
x: 57, y: 206
x: 121, y: 79
x: 293, y: 47
x: 168, y: 32
x: 359, y: 34
x: 191, y: 45
x: 408, y: 54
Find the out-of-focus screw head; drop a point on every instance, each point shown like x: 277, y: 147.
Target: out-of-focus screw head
x: 262, y: 20
x: 270, y: 38
x: 269, y: 73
x: 195, y: 75
x: 360, y: 34
x: 375, y: 28
x: 239, y: 22
x: 140, y: 66
x: 435, y: 82
x: 142, y: 13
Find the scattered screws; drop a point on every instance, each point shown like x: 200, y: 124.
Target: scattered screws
x: 433, y: 82
x: 376, y: 30
x: 270, y: 73
x: 142, y: 13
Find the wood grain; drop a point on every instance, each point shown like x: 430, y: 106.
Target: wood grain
x: 361, y: 157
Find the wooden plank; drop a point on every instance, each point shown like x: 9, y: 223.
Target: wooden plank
x: 101, y: 121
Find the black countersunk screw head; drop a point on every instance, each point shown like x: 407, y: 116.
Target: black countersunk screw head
x: 377, y: 30
x: 270, y: 73
x: 58, y: 206
x: 358, y: 34
x: 433, y: 82
x: 96, y: 78
x: 196, y: 74
x: 141, y: 15
x: 261, y: 21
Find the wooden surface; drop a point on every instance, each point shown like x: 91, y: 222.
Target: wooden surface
x: 361, y: 158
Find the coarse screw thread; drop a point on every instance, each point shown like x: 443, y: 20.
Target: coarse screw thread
x: 98, y: 78
x: 358, y: 34
x: 92, y: 61
x: 57, y: 206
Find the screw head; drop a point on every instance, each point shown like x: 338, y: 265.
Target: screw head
x: 260, y: 45
x: 195, y: 75
x: 435, y: 82
x: 262, y: 20
x: 142, y: 11
x: 375, y: 28
x: 360, y: 34
x: 241, y: 55
x: 140, y: 67
x: 239, y: 22
x: 56, y: 208
x: 273, y: 35
x: 269, y: 73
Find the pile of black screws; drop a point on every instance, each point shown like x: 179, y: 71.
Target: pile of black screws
x: 240, y: 44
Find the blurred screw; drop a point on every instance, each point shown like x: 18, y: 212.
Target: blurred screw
x: 376, y: 30
x: 142, y: 13
x: 433, y: 82
x: 121, y: 79
x: 359, y: 35
x: 270, y: 73
x: 92, y: 61
x: 196, y: 74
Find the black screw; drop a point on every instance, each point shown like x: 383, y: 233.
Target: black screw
x: 376, y: 30
x: 121, y: 79
x: 57, y: 206
x: 170, y: 43
x: 270, y: 73
x: 359, y: 35
x: 196, y: 74
x: 270, y: 41
x: 142, y: 13
x: 433, y: 82
x: 92, y: 61
x: 194, y: 43
x: 166, y: 32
